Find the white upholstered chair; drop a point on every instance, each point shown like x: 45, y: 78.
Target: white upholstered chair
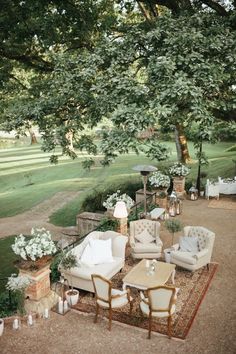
x: 144, y: 239
x: 195, y: 260
x: 160, y: 302
x: 109, y: 298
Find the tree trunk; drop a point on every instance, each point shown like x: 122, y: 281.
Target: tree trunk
x: 33, y: 139
x: 181, y: 144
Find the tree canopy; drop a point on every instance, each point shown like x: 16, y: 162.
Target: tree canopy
x: 67, y: 65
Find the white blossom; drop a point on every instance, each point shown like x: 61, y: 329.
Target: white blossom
x: 178, y: 169
x: 158, y: 179
x: 112, y: 199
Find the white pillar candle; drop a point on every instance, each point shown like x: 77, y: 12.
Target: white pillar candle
x: 65, y: 306
x: 30, y: 320
x: 46, y: 313
x: 60, y: 306
x: 15, y: 323
x: 147, y: 263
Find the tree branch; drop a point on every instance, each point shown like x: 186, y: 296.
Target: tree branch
x: 216, y: 7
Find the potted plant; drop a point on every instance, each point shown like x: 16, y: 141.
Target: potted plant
x: 68, y: 261
x: 18, y: 285
x: 112, y: 199
x: 159, y: 180
x: 173, y: 226
x: 161, y: 199
x: 179, y: 171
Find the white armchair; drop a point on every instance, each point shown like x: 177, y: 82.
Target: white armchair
x: 195, y: 260
x: 144, y: 239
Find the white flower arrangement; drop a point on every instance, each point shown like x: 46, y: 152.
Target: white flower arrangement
x: 112, y: 199
x: 179, y: 170
x: 39, y: 245
x: 158, y: 179
x: 18, y: 283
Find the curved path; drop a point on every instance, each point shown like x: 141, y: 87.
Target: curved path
x: 38, y: 216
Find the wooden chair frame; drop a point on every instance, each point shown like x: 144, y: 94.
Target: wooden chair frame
x: 151, y: 309
x: 110, y: 298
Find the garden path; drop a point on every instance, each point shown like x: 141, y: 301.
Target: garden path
x: 38, y: 216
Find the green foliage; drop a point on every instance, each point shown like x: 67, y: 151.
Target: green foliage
x: 108, y: 224
x: 68, y: 260
x: 7, y: 307
x: 88, y: 163
x: 173, y: 225
x: 55, y: 274
x: 232, y: 148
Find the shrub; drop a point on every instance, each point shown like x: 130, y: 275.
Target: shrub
x: 55, y: 274
x: 7, y: 307
x: 108, y: 224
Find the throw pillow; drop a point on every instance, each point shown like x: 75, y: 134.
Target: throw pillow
x: 144, y: 237
x: 87, y: 257
x: 201, y: 242
x: 188, y: 244
x: 101, y: 251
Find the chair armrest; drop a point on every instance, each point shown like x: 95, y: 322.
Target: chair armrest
x: 159, y: 241
x: 143, y: 298
x: 174, y: 247
x: 201, y: 253
x: 131, y: 241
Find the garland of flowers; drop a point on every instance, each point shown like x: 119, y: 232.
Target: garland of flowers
x: 39, y: 245
x: 179, y: 170
x: 112, y: 199
x: 158, y: 179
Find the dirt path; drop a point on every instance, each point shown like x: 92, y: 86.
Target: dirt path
x: 38, y: 216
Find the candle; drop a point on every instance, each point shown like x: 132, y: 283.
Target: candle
x: 65, y: 305
x: 30, y: 320
x: 46, y: 313
x: 147, y: 263
x: 60, y: 306
x: 15, y: 323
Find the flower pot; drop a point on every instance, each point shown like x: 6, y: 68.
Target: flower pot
x: 1, y: 326
x: 202, y: 193
x: 72, y: 297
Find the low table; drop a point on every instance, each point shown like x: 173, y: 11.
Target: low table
x: 157, y: 213
x: 139, y: 279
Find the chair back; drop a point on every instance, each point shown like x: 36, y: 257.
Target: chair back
x: 202, y: 232
x: 137, y: 226
x: 161, y: 298
x: 102, y: 287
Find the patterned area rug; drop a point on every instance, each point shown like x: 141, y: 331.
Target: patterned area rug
x: 193, y: 286
x: 227, y: 203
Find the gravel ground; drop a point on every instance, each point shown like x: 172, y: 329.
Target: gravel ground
x: 213, y: 330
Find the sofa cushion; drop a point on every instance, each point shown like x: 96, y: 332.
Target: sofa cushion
x: 147, y: 248
x: 186, y: 257
x: 101, y: 251
x: 144, y: 237
x: 188, y: 244
x: 104, y: 269
x: 87, y: 257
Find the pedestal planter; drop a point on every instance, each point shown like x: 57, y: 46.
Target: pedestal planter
x: 161, y: 197
x: 1, y: 326
x: 179, y: 186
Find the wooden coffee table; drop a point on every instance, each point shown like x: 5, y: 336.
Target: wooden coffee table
x: 139, y: 279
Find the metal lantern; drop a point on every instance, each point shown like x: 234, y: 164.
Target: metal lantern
x: 179, y: 206
x: 173, y: 204
x: 193, y: 192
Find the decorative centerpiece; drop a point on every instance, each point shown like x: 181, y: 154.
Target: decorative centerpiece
x: 18, y: 284
x: 112, y: 199
x: 179, y: 171
x: 36, y: 253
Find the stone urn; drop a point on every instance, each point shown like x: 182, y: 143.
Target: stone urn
x: 179, y: 185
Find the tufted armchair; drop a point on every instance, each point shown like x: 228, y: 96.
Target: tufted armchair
x: 202, y: 256
x: 144, y: 239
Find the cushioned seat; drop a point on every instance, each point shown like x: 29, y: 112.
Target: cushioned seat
x: 200, y: 258
x: 144, y: 239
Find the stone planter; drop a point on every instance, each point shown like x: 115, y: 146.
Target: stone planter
x: 1, y: 326
x: 159, y: 200
x: 179, y: 186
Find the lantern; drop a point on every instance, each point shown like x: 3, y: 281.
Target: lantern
x: 172, y: 204
x: 179, y: 207
x: 193, y: 192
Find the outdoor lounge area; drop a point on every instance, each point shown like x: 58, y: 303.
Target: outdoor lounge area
x: 77, y: 329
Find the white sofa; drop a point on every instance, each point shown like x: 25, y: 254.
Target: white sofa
x: 193, y: 261
x: 80, y: 276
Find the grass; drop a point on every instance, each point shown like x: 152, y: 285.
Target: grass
x: 7, y: 259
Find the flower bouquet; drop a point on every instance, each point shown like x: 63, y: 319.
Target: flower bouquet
x: 179, y: 170
x: 159, y: 180
x: 112, y: 199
